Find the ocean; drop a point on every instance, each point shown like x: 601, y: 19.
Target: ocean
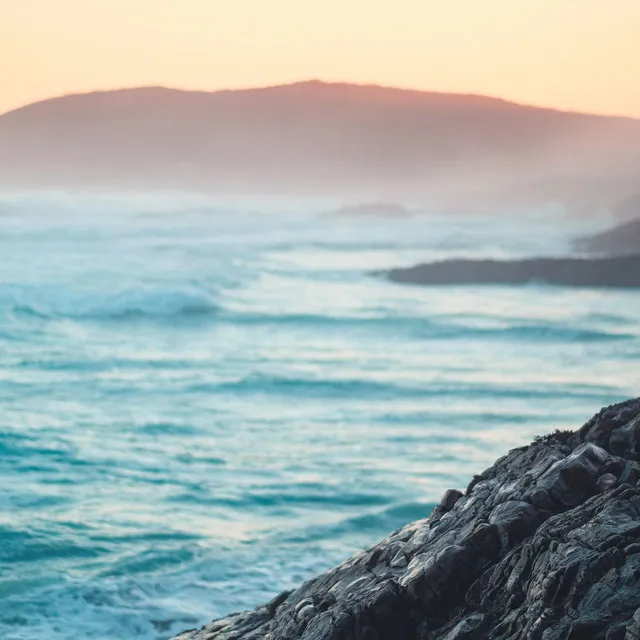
x: 205, y: 401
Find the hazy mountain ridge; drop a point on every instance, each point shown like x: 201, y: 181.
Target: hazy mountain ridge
x: 318, y: 137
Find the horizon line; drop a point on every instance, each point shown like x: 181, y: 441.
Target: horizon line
x: 319, y: 81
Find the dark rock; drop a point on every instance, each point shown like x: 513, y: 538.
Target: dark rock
x: 620, y: 272
x: 623, y: 239
x: 447, y: 502
x: 626, y: 440
x: 544, y: 545
x: 606, y: 481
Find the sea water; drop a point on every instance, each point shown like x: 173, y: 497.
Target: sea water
x: 205, y: 402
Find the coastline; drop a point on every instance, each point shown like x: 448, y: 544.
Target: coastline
x: 543, y: 544
x: 614, y: 272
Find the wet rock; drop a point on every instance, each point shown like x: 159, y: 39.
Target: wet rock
x: 306, y: 612
x: 545, y: 544
x: 606, y: 481
x: 447, y: 503
x: 625, y: 441
x: 623, y: 239
x: 471, y: 628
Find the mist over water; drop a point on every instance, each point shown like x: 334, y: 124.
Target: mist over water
x: 204, y: 402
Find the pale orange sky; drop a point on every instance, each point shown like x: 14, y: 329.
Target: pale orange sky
x: 572, y: 54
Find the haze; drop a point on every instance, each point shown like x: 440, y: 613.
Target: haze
x: 317, y: 138
x: 577, y: 54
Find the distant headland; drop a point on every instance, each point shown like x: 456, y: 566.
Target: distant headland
x: 457, y: 152
x: 619, y: 272
x: 623, y: 239
x: 617, y: 265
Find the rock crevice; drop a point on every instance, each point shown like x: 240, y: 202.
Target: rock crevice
x: 543, y: 545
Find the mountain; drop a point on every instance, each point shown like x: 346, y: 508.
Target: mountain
x: 320, y: 137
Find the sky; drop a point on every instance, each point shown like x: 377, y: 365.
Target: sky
x: 579, y: 55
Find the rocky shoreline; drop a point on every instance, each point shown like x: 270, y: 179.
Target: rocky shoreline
x: 622, y: 240
x: 617, y: 272
x: 612, y: 260
x: 545, y: 544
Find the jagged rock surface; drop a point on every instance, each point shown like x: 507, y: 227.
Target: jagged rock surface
x: 545, y: 544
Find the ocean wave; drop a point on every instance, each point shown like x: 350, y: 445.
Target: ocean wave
x: 122, y: 599
x: 425, y: 328
x: 284, y: 497
x: 541, y: 332
x: 362, y: 388
x: 382, y: 521
x: 165, y: 303
x: 21, y: 545
x: 152, y: 302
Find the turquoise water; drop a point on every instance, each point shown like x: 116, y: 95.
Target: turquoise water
x: 204, y: 403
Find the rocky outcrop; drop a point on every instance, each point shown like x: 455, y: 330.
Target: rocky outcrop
x: 623, y: 272
x: 543, y: 545
x: 623, y: 239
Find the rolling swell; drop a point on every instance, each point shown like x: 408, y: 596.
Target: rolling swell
x: 181, y: 308
x: 380, y: 520
x: 178, y: 304
x: 434, y: 328
x: 359, y: 389
x: 156, y: 303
